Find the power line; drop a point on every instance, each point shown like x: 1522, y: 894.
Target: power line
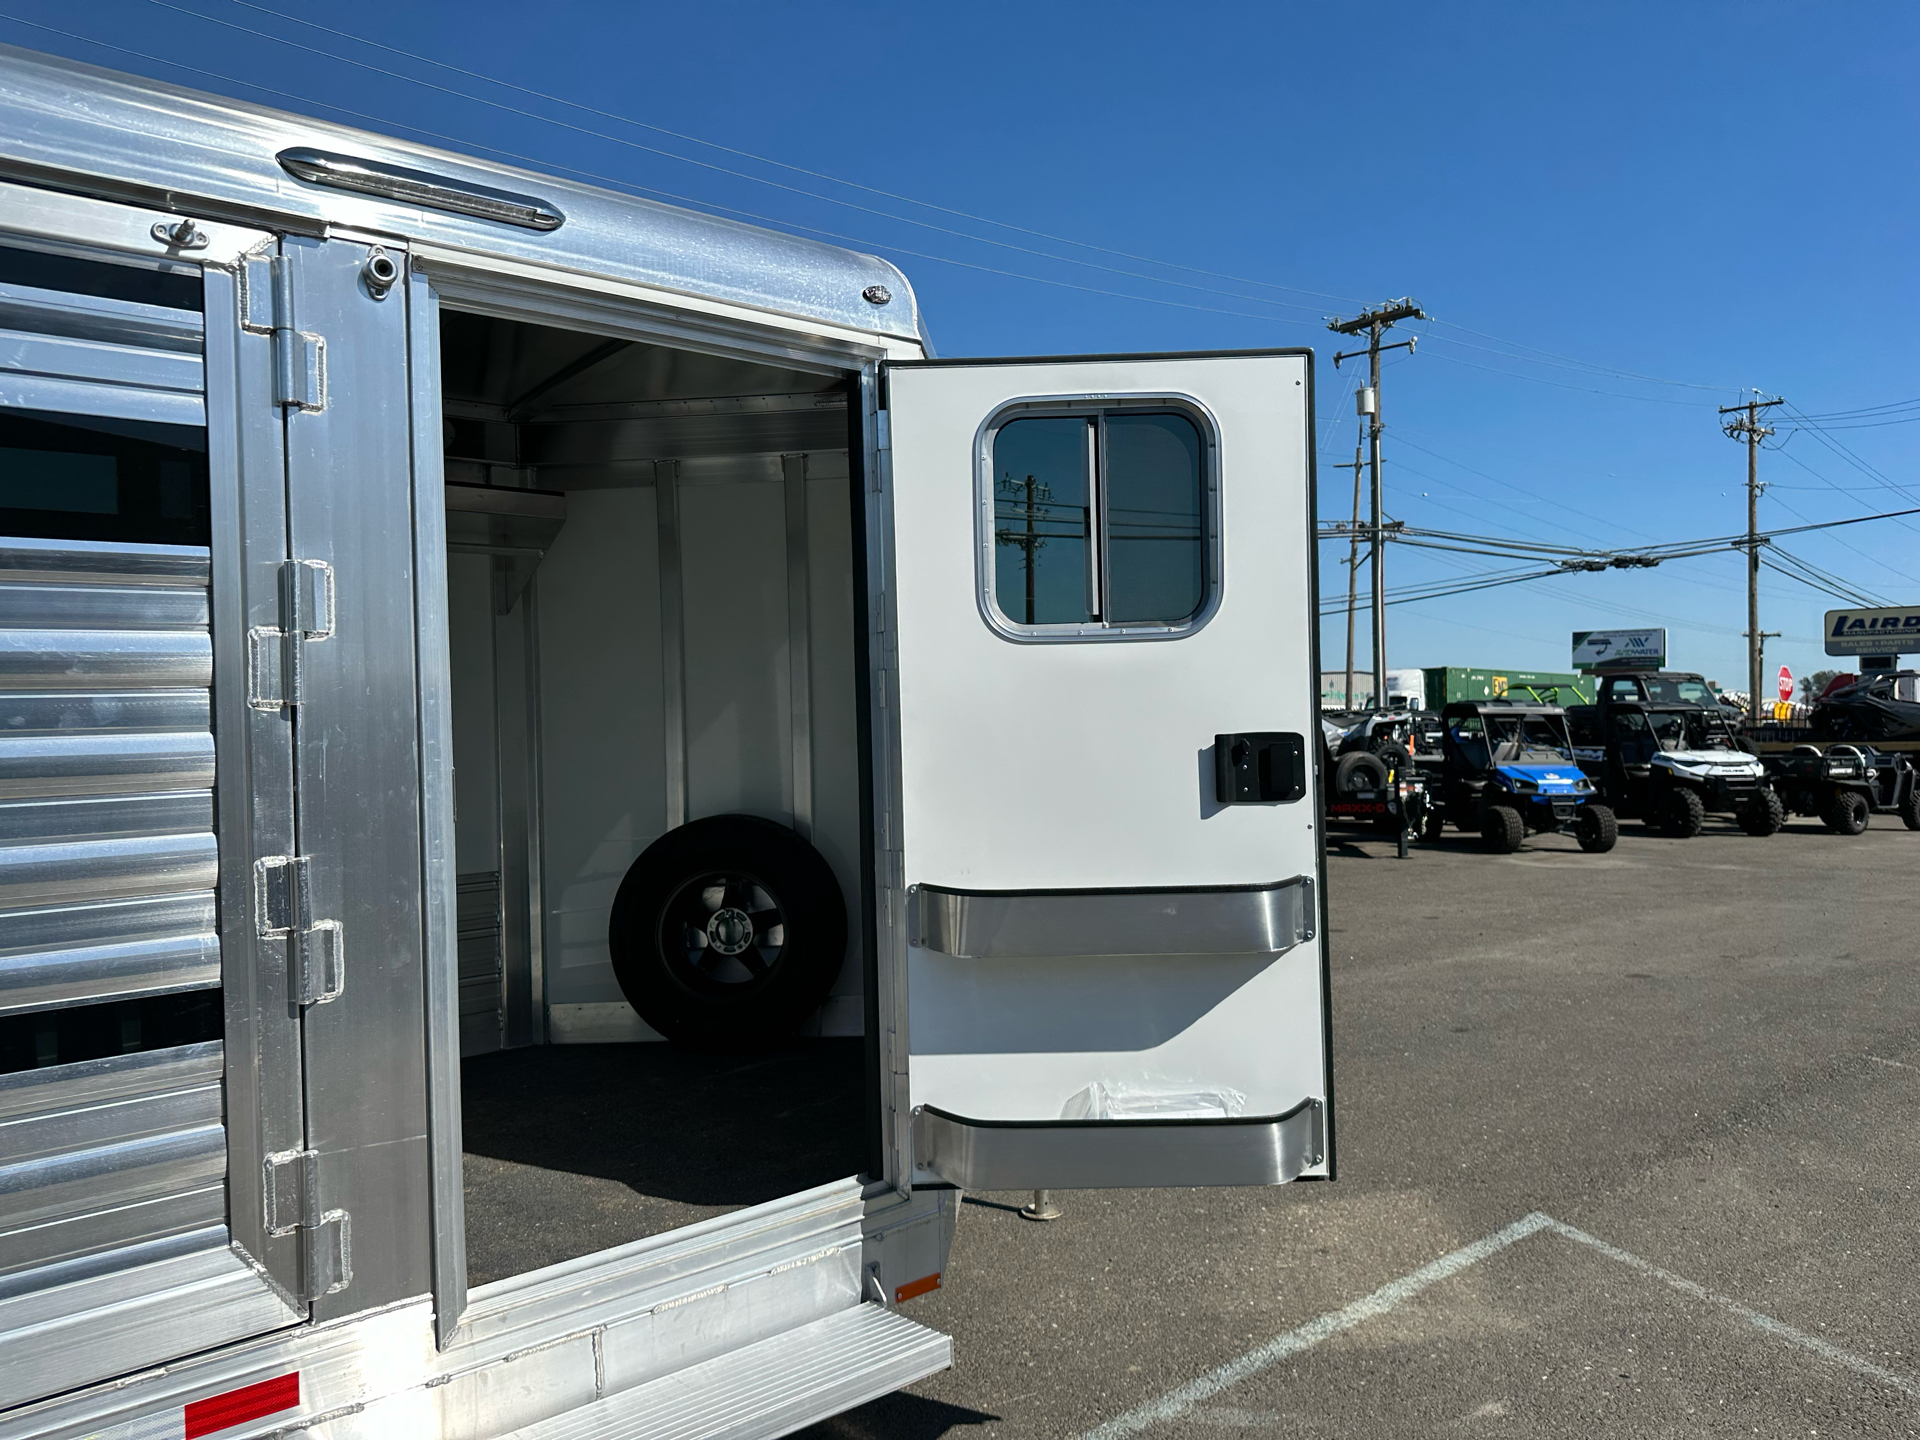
x: 630, y: 187
x: 750, y: 155
x: 1374, y: 324
x: 1548, y: 356
x: 706, y: 164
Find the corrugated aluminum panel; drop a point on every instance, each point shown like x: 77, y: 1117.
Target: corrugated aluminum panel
x: 95, y: 356
x: 109, y: 1153
x: 108, y: 864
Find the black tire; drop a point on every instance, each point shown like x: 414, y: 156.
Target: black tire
x: 1682, y: 813
x: 768, y: 892
x: 1433, y: 825
x: 1910, y: 807
x: 1392, y: 753
x: 1596, y: 829
x: 1763, y: 814
x: 1845, y: 812
x: 1357, y: 770
x: 1502, y: 827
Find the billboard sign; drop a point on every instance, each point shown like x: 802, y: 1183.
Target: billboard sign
x: 1619, y: 649
x: 1894, y: 631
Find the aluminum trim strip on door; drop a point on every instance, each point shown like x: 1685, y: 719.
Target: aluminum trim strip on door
x: 1118, y: 1154
x: 1224, y: 920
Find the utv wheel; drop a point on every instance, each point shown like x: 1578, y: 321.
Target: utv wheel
x: 727, y: 931
x: 1502, y: 827
x: 1682, y: 813
x: 1596, y: 829
x: 1910, y: 809
x: 1764, y: 814
x: 1434, y: 825
x: 1845, y: 813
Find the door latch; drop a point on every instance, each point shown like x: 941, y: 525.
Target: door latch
x: 1263, y: 767
x: 283, y: 910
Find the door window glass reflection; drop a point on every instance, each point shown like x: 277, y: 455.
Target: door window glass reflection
x: 1042, y: 521
x: 1100, y: 520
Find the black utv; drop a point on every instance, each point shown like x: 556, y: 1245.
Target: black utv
x: 1668, y: 766
x: 1845, y: 784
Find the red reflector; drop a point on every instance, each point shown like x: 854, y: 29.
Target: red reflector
x: 915, y: 1288
x: 236, y: 1407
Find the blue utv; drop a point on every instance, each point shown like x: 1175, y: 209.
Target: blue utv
x: 1508, y: 768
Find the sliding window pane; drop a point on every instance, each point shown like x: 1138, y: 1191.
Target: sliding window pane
x: 1156, y: 534
x: 1042, y: 518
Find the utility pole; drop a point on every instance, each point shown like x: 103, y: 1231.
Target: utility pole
x: 1374, y: 323
x: 1745, y: 425
x: 1353, y: 560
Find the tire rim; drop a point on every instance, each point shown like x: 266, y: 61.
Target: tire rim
x: 722, y: 934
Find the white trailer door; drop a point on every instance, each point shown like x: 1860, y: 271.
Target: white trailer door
x: 1110, y: 861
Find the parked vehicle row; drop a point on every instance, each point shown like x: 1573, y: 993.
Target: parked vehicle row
x: 1656, y: 747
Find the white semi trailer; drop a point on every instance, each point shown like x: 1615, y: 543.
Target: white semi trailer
x: 450, y: 616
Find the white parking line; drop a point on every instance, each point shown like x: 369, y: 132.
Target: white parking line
x: 1825, y: 1349
x: 1183, y: 1400
x: 1390, y: 1296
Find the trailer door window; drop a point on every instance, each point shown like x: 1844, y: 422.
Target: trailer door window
x: 1100, y: 525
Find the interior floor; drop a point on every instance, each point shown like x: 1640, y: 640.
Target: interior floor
x: 576, y: 1148
x: 650, y: 605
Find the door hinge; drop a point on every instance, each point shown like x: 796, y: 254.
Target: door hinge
x: 283, y: 910
x: 299, y: 357
x: 293, y: 1208
x: 275, y: 658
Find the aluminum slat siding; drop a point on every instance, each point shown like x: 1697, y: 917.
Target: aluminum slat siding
x: 108, y: 866
x: 106, y: 1153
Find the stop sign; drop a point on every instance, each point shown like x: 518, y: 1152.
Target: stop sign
x: 1786, y: 684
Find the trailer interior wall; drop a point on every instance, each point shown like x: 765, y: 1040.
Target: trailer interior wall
x: 652, y: 620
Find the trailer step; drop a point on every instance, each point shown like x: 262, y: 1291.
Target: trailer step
x: 771, y: 1388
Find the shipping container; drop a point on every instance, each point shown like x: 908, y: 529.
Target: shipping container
x: 1448, y: 683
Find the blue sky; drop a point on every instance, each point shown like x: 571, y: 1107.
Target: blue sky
x: 1670, y: 202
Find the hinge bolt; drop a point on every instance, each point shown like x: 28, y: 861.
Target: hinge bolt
x: 180, y: 235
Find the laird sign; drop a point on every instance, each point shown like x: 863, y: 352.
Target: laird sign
x: 1894, y: 631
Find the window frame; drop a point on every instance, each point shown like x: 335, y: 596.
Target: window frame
x: 1098, y: 406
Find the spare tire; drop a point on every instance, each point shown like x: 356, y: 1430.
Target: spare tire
x: 1392, y: 754
x: 727, y: 931
x: 1359, y: 770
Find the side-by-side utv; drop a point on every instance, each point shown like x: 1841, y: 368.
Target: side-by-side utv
x: 1668, y: 766
x: 1507, y: 769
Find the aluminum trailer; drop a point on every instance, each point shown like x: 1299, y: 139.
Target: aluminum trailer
x: 332, y: 461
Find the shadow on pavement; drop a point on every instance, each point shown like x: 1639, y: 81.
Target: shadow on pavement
x: 899, y: 1416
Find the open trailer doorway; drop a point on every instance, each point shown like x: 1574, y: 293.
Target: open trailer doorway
x: 657, y: 759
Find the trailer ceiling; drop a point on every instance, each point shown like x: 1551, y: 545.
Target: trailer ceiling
x: 526, y: 370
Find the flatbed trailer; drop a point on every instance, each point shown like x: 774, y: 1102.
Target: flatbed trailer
x: 404, y: 560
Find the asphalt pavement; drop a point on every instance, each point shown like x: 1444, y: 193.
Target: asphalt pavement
x: 1626, y: 1147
